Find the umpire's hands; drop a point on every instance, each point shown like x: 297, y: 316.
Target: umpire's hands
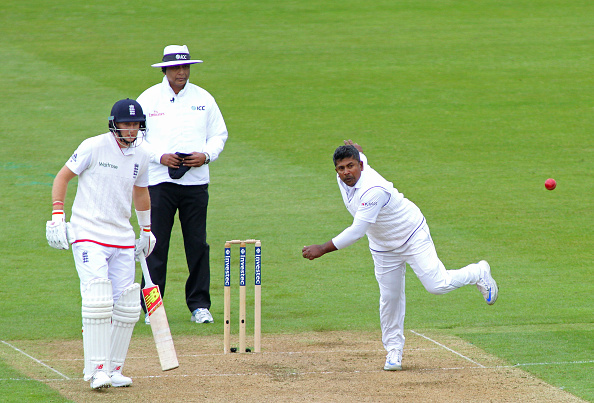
x: 173, y: 160
x: 196, y: 159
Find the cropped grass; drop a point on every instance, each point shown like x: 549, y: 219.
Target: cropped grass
x: 468, y: 107
x: 17, y: 388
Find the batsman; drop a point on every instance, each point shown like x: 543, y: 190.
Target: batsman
x: 398, y: 234
x: 112, y: 173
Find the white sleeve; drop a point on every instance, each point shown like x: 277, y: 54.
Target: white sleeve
x: 81, y: 159
x: 216, y: 135
x: 352, y: 234
x: 363, y: 158
x: 153, y: 152
x: 146, y: 102
x: 142, y: 180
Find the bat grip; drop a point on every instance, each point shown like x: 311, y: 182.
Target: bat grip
x: 145, y: 272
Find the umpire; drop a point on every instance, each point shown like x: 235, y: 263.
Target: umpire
x: 185, y: 132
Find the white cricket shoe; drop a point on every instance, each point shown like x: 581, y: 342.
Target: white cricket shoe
x: 147, y: 320
x: 118, y: 380
x: 393, y: 361
x: 202, y: 315
x: 486, y: 284
x: 100, y: 380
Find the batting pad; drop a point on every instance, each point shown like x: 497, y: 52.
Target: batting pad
x: 97, y: 309
x: 125, y: 315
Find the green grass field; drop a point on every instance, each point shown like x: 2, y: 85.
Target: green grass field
x: 468, y: 107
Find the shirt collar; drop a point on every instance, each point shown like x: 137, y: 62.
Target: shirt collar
x: 125, y: 151
x: 129, y: 150
x: 350, y: 190
x: 170, y: 90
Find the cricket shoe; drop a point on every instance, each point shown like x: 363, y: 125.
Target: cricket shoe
x: 202, y: 315
x: 100, y: 380
x: 486, y: 284
x: 118, y: 380
x: 393, y: 361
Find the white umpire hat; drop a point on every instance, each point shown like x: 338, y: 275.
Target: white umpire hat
x: 175, y: 55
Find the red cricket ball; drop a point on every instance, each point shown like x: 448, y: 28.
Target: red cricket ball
x: 550, y: 184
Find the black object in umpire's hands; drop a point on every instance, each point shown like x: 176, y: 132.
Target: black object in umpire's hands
x: 176, y: 173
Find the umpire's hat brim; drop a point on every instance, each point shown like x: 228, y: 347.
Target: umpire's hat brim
x: 176, y: 55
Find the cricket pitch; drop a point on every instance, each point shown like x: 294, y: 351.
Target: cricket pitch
x: 313, y: 367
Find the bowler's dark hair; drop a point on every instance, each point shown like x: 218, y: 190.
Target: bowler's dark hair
x: 343, y: 152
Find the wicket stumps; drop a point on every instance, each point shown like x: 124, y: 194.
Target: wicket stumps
x: 242, y: 294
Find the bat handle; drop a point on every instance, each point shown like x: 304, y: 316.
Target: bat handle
x: 145, y: 272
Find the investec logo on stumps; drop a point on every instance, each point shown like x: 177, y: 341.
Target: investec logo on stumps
x: 227, y: 267
x: 107, y: 165
x: 258, y: 272
x: 241, y: 267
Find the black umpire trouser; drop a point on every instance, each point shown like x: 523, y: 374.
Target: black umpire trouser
x: 191, y: 202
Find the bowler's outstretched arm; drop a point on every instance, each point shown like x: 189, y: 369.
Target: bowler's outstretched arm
x: 312, y: 252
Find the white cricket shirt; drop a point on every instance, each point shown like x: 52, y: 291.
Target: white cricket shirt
x: 392, y: 217
x: 189, y: 121
x: 106, y: 176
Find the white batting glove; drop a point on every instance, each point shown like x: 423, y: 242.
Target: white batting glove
x: 145, y: 243
x: 55, y: 231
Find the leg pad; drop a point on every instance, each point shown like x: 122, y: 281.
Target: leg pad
x: 125, y: 315
x: 97, y: 310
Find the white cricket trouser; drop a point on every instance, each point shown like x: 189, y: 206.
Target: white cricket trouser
x: 390, y: 267
x: 97, y: 261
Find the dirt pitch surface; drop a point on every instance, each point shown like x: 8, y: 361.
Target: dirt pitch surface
x: 310, y: 367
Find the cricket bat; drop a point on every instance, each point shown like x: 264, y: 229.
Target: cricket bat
x: 158, y: 318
